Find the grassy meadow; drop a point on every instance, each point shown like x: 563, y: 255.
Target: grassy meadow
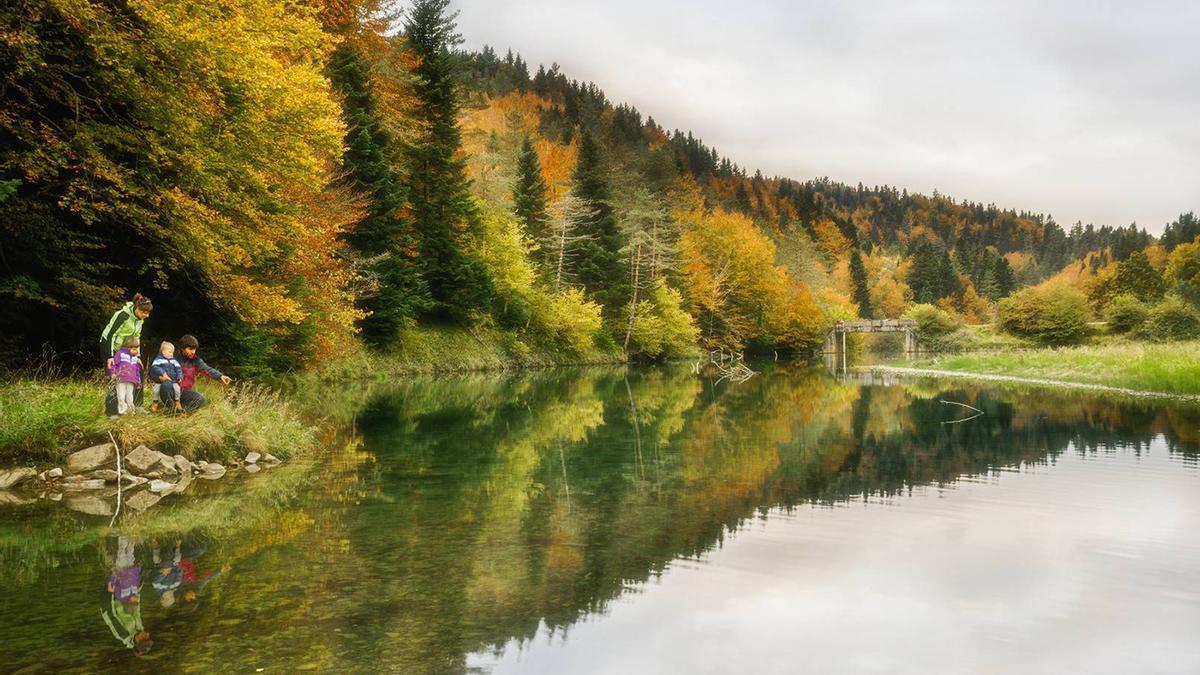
x: 1172, y: 368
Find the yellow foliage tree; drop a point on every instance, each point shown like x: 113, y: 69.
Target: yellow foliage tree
x: 737, y: 293
x: 830, y: 237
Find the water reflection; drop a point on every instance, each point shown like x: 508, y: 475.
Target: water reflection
x: 178, y: 573
x: 123, y: 615
x: 464, y: 515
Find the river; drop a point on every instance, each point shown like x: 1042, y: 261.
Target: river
x: 652, y: 521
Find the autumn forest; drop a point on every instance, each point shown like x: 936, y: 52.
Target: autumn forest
x: 295, y: 180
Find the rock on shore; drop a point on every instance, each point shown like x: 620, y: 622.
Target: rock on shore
x: 89, y: 481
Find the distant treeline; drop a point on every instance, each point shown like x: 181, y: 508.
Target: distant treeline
x: 291, y: 181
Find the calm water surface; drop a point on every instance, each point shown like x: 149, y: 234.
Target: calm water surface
x: 605, y: 521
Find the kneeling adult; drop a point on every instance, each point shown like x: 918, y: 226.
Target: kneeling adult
x: 194, y: 366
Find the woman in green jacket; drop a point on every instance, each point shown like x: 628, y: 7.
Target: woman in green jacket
x: 126, y: 322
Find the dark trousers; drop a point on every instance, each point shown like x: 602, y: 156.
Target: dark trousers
x: 166, y: 395
x: 192, y: 399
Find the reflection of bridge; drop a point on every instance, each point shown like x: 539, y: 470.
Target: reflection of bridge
x: 867, y: 376
x: 835, y: 340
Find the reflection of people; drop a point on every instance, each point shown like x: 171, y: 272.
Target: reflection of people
x: 194, y: 366
x: 193, y: 581
x: 124, y: 612
x: 168, y: 578
x: 179, y: 572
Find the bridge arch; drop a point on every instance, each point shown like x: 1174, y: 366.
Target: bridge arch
x: 835, y: 339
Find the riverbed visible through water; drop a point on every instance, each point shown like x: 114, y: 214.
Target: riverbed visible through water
x: 648, y: 520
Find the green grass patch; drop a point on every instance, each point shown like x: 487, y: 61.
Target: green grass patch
x: 44, y: 420
x: 1169, y: 368
x: 435, y: 349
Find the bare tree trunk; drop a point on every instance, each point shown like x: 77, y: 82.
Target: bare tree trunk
x: 654, y: 252
x: 562, y: 248
x: 637, y: 268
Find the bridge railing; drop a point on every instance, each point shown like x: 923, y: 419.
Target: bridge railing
x: 874, y: 325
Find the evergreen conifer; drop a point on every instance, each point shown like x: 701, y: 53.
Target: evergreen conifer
x: 442, y: 210
x: 529, y: 193
x: 397, y: 291
x: 858, y: 281
x: 598, y: 259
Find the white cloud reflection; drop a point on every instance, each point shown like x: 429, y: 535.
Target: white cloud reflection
x: 1084, y: 566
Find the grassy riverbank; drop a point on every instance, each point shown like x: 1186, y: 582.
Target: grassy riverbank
x: 1172, y: 368
x: 450, y: 349
x: 45, y: 418
x: 42, y: 421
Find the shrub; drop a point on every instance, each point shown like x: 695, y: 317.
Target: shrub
x: 887, y: 343
x: 1057, y: 315
x: 1125, y: 313
x: 661, y: 328
x: 573, y: 319
x: 1171, y: 319
x: 931, y: 321
x: 504, y: 250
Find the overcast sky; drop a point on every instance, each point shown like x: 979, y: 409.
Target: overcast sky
x: 1084, y: 110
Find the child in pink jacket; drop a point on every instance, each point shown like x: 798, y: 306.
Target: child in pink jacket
x: 126, y: 371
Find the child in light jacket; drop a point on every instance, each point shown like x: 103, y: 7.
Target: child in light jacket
x: 166, y: 374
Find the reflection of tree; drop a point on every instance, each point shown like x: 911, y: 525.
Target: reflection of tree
x: 521, y: 555
x: 469, y: 511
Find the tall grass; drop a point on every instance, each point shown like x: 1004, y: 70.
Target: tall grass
x: 40, y: 418
x: 435, y: 349
x: 1170, y: 368
x: 44, y: 420
x: 45, y: 416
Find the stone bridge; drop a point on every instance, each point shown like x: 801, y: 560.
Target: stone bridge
x: 835, y: 340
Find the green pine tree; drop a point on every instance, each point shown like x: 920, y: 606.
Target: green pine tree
x: 529, y: 193
x: 986, y: 285
x: 858, y: 281
x: 598, y: 263
x: 924, y: 278
x: 442, y: 210
x: 948, y: 283
x: 398, y: 292
x: 1003, y: 276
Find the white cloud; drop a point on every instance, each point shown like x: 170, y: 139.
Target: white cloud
x: 1085, y: 110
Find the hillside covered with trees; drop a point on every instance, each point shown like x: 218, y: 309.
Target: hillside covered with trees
x: 292, y: 180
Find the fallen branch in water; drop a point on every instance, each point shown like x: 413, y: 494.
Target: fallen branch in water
x: 961, y: 404
x: 117, y: 450
x: 978, y: 412
x: 731, y: 366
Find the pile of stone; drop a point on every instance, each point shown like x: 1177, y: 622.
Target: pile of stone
x: 88, y: 482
